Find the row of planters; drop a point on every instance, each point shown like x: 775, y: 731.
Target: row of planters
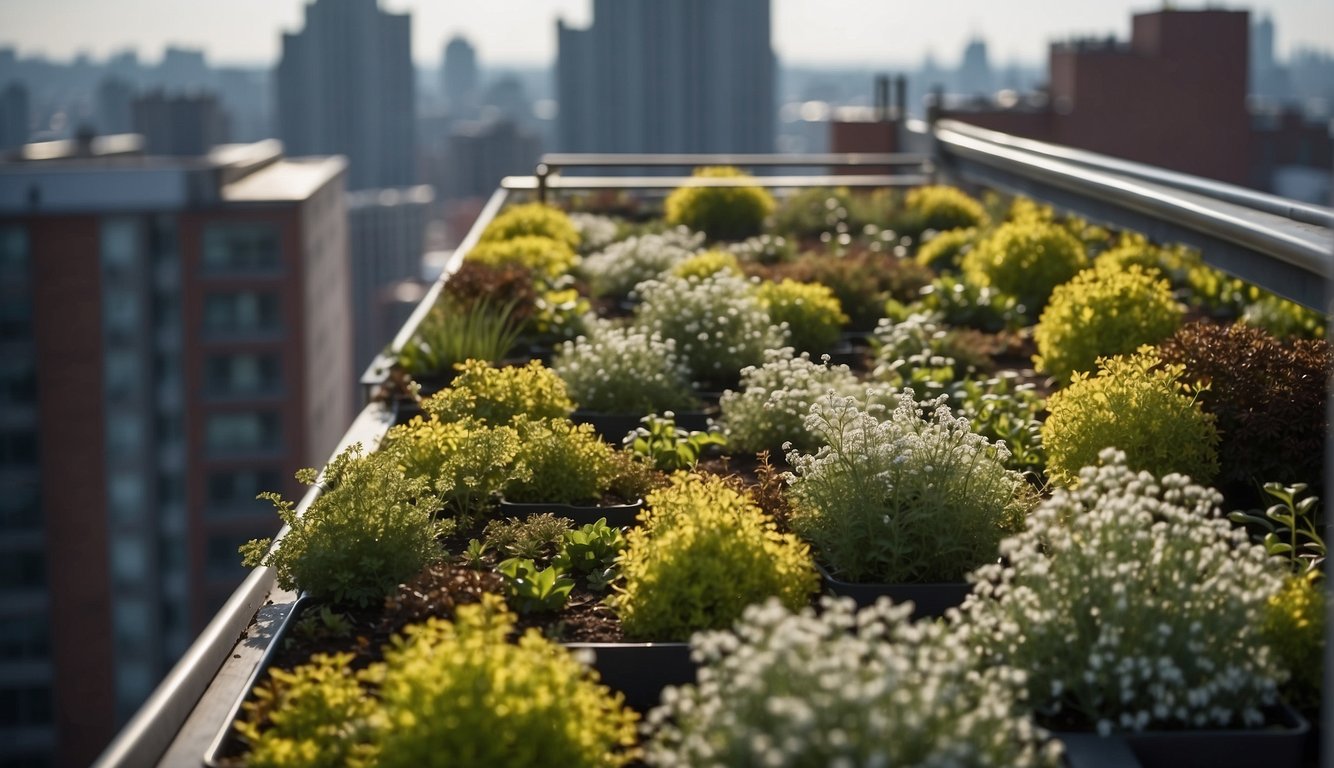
x: 1080, y: 456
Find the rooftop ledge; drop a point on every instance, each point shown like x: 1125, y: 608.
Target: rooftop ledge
x: 1280, y: 245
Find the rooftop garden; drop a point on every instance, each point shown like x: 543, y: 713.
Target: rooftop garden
x: 922, y: 478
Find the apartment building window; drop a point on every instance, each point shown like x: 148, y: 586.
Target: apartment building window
x: 241, y: 312
x: 221, y: 560
x: 237, y: 490
x: 26, y: 706
x: 20, y: 508
x: 229, y: 433
x: 242, y: 248
x: 18, y: 447
x: 18, y: 381
x: 15, y: 316
x: 243, y: 374
x: 25, y: 569
x: 25, y: 637
x: 14, y: 260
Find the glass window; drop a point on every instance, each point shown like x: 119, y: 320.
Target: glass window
x: 241, y: 312
x: 18, y: 380
x: 15, y: 316
x: 222, y: 560
x: 122, y: 370
x: 25, y: 637
x: 20, y: 508
x: 243, y: 374
x: 27, y: 706
x: 129, y: 568
x: 127, y: 497
x: 247, y: 248
x: 14, y: 259
x: 18, y: 446
x: 124, y: 433
x: 237, y: 490
x: 242, y: 432
x: 25, y: 569
x: 121, y: 311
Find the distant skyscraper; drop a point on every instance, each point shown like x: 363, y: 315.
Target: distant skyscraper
x: 179, y: 124
x: 667, y: 76
x: 15, y: 114
x: 482, y: 153
x: 459, y: 78
x: 975, y: 70
x: 345, y: 86
x: 115, y: 102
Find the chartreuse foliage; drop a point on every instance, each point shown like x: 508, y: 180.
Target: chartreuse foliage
x: 455, y: 693
x: 1136, y: 404
x: 1026, y: 259
x: 371, y: 529
x: 812, y: 312
x: 942, y: 208
x: 1103, y: 311
x: 945, y: 250
x: 465, y: 462
x: 1294, y: 625
x: 702, y: 553
x: 722, y: 213
x: 707, y: 263
x: 546, y: 257
x: 532, y: 220
x: 498, y: 395
x: 563, y: 463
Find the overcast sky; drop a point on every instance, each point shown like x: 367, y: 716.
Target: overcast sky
x: 859, y: 32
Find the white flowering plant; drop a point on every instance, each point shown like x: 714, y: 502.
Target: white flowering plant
x: 595, y: 231
x: 624, y: 370
x: 843, y: 689
x: 770, y: 406
x: 1132, y: 603
x: 718, y: 323
x: 615, y: 270
x: 914, y: 353
x: 915, y: 497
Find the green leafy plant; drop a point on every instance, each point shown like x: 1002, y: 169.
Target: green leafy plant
x: 1291, y: 529
x: 942, y: 208
x: 722, y: 213
x: 474, y: 555
x: 532, y: 589
x: 564, y: 463
x: 536, y: 537
x: 668, y: 447
x: 916, y: 497
x: 769, y: 408
x: 1139, y: 405
x: 1268, y: 396
x: 1004, y: 410
x: 1285, y: 319
x: 1130, y: 603
x: 497, y: 396
x: 465, y: 462
x: 960, y: 303
x: 1294, y: 626
x: 701, y: 554
x: 590, y: 551
x: 1026, y: 259
x: 809, y: 212
x: 861, y: 280
x: 370, y: 529
x: 811, y: 311
x: 1103, y: 311
x: 451, y: 334
x: 946, y: 249
x: 547, y: 258
x: 717, y: 321
x: 844, y: 688
x: 624, y: 370
x: 532, y: 220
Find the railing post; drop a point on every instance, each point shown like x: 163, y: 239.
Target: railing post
x: 542, y: 171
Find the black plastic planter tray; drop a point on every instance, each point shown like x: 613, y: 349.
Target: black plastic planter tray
x: 928, y: 599
x: 640, y: 670
x: 618, y: 516
x: 613, y: 427
x: 1282, y: 744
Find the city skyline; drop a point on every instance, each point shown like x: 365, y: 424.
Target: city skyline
x: 522, y: 32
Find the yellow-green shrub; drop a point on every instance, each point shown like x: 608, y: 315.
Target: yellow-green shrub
x: 546, y: 257
x: 945, y: 250
x: 316, y: 716
x: 707, y: 263
x: 721, y: 213
x: 1026, y: 259
x: 497, y: 395
x: 702, y: 554
x: 1295, y: 628
x: 1136, y: 404
x: 466, y: 462
x: 532, y: 219
x: 1104, y: 310
x: 562, y: 463
x: 812, y: 312
x: 943, y: 208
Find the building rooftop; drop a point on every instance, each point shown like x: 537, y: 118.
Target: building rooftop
x: 284, y: 180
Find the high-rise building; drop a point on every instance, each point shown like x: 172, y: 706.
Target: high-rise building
x: 15, y: 114
x: 482, y: 153
x: 180, y: 123
x: 346, y: 86
x: 115, y: 105
x: 975, y: 70
x: 458, y: 78
x: 386, y: 241
x: 168, y: 329
x: 659, y: 76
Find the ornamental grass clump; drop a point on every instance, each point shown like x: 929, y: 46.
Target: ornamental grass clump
x: 1103, y: 311
x: 915, y: 497
x: 624, y: 370
x: 370, y: 529
x: 455, y: 331
x: 1026, y: 259
x: 498, y: 395
x: 811, y: 311
x: 717, y: 321
x: 547, y: 258
x: 942, y: 208
x: 770, y: 406
x: 702, y: 553
x: 843, y: 688
x: 1132, y: 604
x: 1139, y: 405
x: 532, y: 220
x: 619, y: 267
x: 721, y: 213
x: 460, y: 692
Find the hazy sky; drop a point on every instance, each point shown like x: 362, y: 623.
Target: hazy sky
x: 862, y: 32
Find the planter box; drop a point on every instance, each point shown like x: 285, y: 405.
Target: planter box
x: 1279, y: 745
x: 618, y: 516
x: 929, y: 600
x: 640, y: 670
x: 613, y: 427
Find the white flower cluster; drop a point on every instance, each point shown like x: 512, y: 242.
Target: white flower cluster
x: 595, y: 231
x: 1131, y: 602
x: 907, y: 353
x: 771, y: 406
x: 617, y: 269
x: 718, y: 323
x: 917, y: 497
x: 764, y: 249
x: 624, y: 370
x: 843, y: 689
